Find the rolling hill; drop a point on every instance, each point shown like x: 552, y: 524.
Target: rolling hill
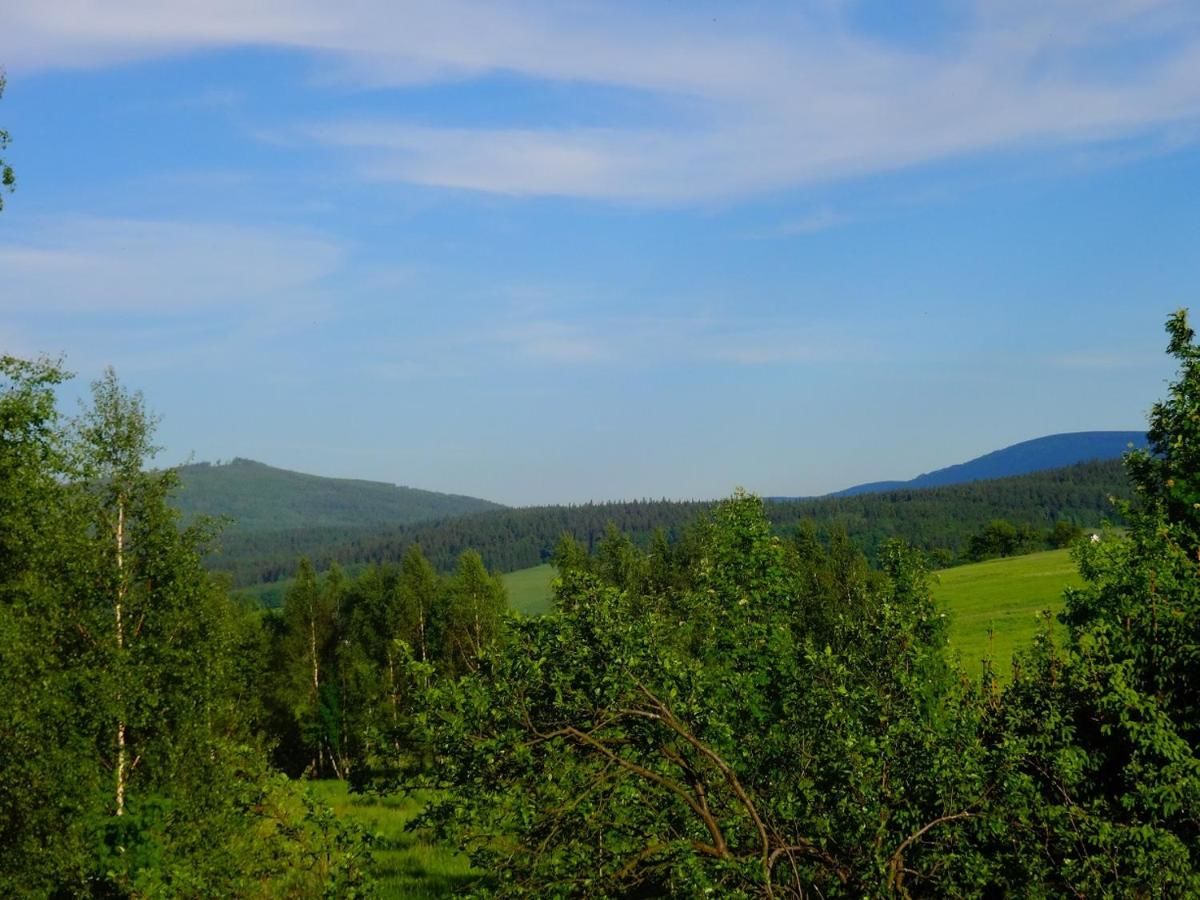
x: 1051, y: 452
x: 259, y: 498
x: 940, y: 518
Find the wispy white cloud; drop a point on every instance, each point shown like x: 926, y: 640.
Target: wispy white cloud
x: 553, y: 342
x: 763, y: 99
x: 104, y: 266
x: 644, y: 341
x: 817, y: 220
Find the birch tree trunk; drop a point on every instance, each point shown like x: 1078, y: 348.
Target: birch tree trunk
x: 120, y: 602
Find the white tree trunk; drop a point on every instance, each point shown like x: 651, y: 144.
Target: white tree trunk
x: 122, y: 774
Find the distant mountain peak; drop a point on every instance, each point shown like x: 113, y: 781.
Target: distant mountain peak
x: 1050, y: 452
x: 260, y: 497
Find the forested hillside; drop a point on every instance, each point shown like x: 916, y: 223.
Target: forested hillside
x: 938, y: 519
x: 254, y: 497
x: 1051, y: 452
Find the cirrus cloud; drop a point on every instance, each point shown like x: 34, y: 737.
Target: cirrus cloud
x: 766, y: 98
x: 99, y: 265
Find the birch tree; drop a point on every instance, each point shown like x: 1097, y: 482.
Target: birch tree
x: 305, y: 656
x: 114, y: 444
x: 128, y: 766
x: 421, y: 597
x: 477, y: 601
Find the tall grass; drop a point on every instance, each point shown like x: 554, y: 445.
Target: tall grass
x: 407, y: 864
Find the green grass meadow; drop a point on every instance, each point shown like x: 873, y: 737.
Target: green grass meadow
x: 406, y: 863
x: 995, y: 606
x: 529, y: 589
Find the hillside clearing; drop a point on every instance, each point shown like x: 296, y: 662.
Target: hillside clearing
x: 406, y: 863
x: 529, y: 589
x: 995, y: 606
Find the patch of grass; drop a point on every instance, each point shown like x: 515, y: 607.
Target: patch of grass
x: 529, y: 589
x: 406, y: 864
x: 268, y: 595
x: 995, y: 606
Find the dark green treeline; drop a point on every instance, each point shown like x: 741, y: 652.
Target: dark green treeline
x: 940, y: 521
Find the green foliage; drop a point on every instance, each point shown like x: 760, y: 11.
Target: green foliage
x: 474, y: 611
x: 745, y: 707
x: 1063, y: 534
x: 130, y: 764
x: 392, y: 614
x: 343, y: 651
x: 734, y: 714
x: 993, y: 607
x: 743, y: 730
x: 31, y: 456
x: 1142, y: 603
x: 570, y: 555
x: 1099, y: 739
x: 423, y: 598
x: 304, y: 665
x: 1002, y: 538
x: 617, y: 560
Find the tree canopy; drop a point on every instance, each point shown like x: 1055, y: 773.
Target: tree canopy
x: 776, y: 722
x: 130, y: 756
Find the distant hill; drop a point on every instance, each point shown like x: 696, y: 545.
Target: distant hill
x: 1037, y: 455
x: 260, y: 498
x: 942, y: 518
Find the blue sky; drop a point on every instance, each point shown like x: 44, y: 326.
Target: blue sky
x: 553, y: 252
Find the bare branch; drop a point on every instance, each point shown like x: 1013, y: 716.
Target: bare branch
x: 896, y: 861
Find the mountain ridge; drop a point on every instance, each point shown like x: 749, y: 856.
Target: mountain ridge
x: 258, y: 497
x: 1052, y: 451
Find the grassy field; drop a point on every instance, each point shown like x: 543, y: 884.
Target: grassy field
x: 994, y: 605
x: 406, y: 863
x: 529, y: 589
